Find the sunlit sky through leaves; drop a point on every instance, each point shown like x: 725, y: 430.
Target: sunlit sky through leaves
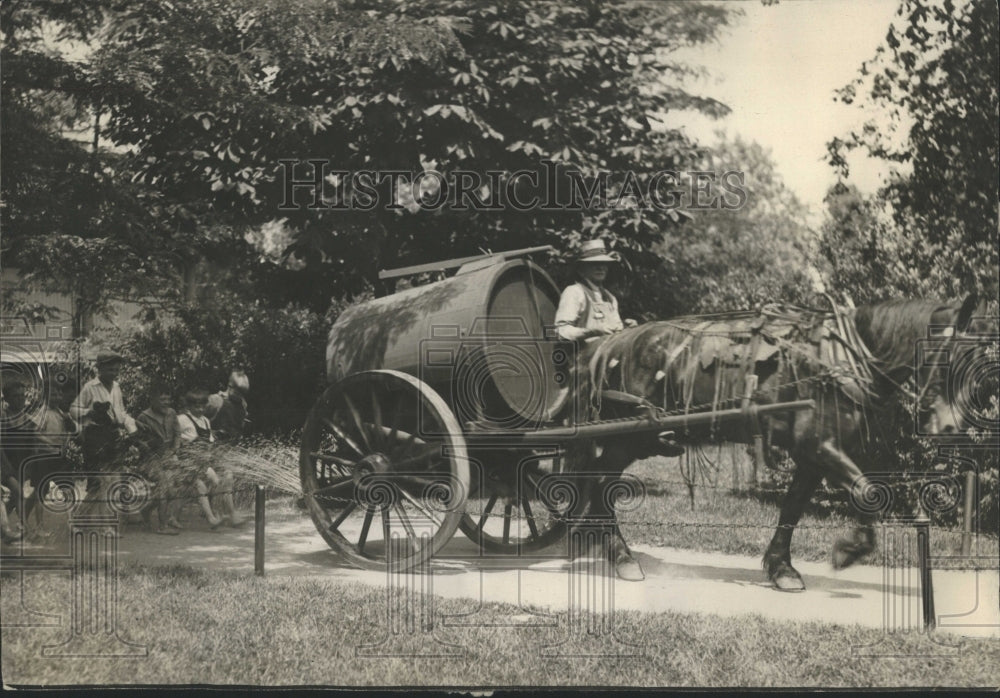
x: 777, y: 68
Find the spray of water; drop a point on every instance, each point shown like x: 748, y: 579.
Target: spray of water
x: 271, y: 464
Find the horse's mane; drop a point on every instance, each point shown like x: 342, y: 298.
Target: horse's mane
x: 892, y: 329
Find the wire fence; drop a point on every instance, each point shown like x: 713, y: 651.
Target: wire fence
x: 248, y: 490
x: 277, y: 470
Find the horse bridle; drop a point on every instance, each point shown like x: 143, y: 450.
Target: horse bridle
x: 916, y: 397
x: 934, y: 367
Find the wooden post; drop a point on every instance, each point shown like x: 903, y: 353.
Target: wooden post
x: 923, y: 525
x: 753, y: 426
x: 970, y: 489
x: 258, y: 531
x: 736, y: 475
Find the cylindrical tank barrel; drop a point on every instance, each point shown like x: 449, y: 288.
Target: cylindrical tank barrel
x: 479, y: 338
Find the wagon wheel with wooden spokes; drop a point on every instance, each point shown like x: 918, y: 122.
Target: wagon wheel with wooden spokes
x: 519, y: 503
x: 384, y: 470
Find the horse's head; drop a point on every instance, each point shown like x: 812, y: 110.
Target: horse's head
x: 956, y: 372
x: 942, y: 356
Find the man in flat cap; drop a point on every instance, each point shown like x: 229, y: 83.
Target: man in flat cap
x: 100, y: 411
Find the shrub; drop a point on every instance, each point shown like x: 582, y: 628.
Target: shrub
x: 282, y: 351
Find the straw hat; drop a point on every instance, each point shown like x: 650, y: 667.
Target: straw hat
x: 594, y: 251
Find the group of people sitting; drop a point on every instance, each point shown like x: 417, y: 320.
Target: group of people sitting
x: 173, y: 451
x: 176, y: 460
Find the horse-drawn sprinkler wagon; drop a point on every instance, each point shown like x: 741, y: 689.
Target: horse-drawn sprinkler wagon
x: 453, y: 392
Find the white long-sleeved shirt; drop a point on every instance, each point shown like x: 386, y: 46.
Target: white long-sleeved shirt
x: 94, y: 391
x: 583, y: 307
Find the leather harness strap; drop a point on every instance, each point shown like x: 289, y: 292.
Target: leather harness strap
x: 749, y: 407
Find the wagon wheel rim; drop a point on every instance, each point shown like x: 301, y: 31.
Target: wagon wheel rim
x: 522, y: 518
x: 384, y: 470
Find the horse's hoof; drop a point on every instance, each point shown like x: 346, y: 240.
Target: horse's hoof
x: 785, y: 577
x: 629, y: 570
x: 789, y: 582
x: 845, y: 553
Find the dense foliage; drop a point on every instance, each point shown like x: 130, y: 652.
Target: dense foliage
x: 742, y: 258
x: 68, y: 222
x: 281, y: 350
x: 211, y: 97
x: 932, y: 92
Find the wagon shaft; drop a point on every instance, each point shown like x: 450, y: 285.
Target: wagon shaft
x: 615, y: 427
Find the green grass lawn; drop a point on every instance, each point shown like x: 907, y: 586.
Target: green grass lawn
x: 221, y: 629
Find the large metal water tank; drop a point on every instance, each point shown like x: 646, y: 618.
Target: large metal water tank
x: 482, y: 339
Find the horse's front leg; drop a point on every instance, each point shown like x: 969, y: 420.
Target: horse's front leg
x: 778, y: 558
x: 844, y: 472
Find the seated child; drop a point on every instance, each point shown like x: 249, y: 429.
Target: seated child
x: 8, y: 533
x: 195, y: 424
x: 55, y: 428
x: 196, y: 429
x: 160, y: 436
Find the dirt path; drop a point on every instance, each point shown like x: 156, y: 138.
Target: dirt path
x: 967, y: 602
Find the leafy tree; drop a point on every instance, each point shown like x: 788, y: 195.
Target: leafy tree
x: 40, y: 97
x: 72, y: 222
x: 860, y: 250
x: 211, y: 96
x: 280, y: 348
x: 936, y: 78
x: 753, y: 251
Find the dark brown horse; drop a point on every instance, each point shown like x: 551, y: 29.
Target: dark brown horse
x: 852, y: 364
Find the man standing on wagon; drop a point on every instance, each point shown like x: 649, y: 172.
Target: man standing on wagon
x: 588, y: 310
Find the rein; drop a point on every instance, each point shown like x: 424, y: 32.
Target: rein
x: 916, y: 397
x: 934, y: 368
